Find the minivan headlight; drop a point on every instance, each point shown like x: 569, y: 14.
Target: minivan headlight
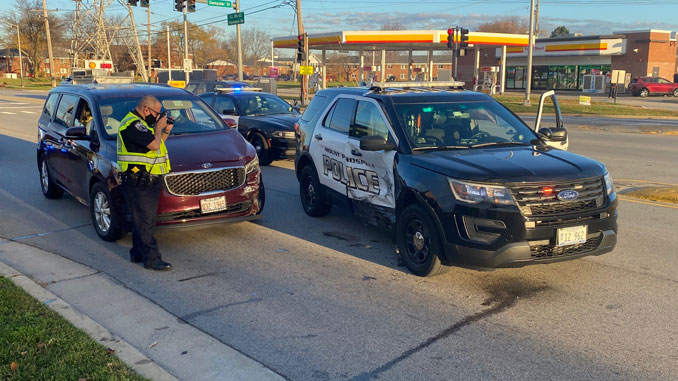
x: 475, y: 193
x: 252, y: 166
x: 609, y: 185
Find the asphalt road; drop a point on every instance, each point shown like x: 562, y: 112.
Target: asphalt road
x: 324, y: 298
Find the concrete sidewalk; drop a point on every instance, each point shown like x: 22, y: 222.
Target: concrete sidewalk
x: 152, y: 341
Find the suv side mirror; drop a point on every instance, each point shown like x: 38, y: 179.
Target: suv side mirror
x: 554, y: 134
x: 77, y: 133
x: 376, y: 143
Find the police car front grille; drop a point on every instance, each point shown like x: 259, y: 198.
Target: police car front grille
x: 532, y: 202
x: 552, y: 251
x: 195, y: 183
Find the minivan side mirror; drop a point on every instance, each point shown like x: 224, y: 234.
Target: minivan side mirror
x: 376, y: 143
x: 77, y: 133
x: 554, y: 134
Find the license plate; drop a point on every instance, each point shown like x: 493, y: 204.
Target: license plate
x: 572, y: 235
x: 211, y: 205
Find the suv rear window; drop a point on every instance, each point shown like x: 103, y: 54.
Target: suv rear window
x: 342, y: 115
x: 317, y: 105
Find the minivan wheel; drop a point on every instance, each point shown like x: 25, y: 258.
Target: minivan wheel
x: 312, y: 199
x: 49, y: 188
x: 675, y: 92
x: 644, y: 93
x: 418, y: 242
x: 104, y: 218
x: 261, y: 146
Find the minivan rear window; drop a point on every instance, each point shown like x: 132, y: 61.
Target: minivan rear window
x: 50, y: 104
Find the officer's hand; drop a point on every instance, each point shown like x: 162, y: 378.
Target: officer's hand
x: 162, y: 122
x: 168, y: 127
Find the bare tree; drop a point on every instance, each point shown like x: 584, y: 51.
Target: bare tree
x: 342, y: 64
x: 509, y: 24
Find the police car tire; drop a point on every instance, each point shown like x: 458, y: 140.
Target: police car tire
x: 114, y: 230
x: 257, y: 139
x: 425, y: 261
x: 315, y: 205
x: 49, y: 188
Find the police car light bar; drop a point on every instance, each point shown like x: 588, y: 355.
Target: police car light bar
x: 418, y: 84
x: 237, y: 89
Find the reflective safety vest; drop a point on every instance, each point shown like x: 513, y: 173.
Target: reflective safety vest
x: 155, y: 162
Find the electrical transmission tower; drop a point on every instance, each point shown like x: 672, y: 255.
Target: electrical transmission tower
x: 94, y: 31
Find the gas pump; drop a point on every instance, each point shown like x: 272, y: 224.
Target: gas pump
x: 489, y: 79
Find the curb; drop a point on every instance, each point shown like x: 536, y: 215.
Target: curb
x: 125, y: 352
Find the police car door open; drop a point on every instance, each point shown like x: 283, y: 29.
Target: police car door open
x: 369, y: 174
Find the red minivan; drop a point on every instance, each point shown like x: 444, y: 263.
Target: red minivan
x: 644, y: 86
x: 215, y: 174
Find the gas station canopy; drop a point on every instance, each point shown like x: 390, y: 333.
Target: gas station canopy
x: 398, y: 40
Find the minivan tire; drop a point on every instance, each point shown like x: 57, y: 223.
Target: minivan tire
x: 418, y: 242
x: 49, y: 188
x: 105, y: 219
x: 313, y: 200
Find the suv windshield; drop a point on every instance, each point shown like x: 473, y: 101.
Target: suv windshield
x: 461, y: 125
x: 191, y: 115
x: 263, y: 104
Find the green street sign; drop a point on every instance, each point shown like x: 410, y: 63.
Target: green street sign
x: 236, y: 18
x: 219, y: 3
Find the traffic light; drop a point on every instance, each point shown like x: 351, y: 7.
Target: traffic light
x: 179, y: 5
x: 143, y: 3
x: 132, y: 2
x: 463, y: 38
x: 301, y: 39
x: 190, y: 6
x: 450, y: 38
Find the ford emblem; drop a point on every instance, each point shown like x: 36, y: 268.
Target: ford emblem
x: 209, y: 165
x: 568, y: 195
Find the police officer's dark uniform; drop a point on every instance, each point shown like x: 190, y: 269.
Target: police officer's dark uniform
x: 142, y: 171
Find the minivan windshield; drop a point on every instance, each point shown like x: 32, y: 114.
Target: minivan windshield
x: 462, y: 125
x: 191, y: 115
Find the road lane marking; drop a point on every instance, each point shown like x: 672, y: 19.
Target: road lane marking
x: 27, y: 106
x: 8, y: 113
x: 625, y: 198
x: 28, y: 112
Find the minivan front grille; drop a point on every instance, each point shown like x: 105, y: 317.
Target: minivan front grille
x: 534, y: 203
x: 199, y: 182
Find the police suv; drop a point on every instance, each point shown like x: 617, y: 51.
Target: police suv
x: 457, y: 177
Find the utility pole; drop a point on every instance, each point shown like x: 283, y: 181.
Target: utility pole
x: 186, y: 72
x: 300, y: 27
x: 21, y: 64
x: 536, y: 21
x: 530, y: 48
x: 49, y: 43
x: 149, y: 40
x: 169, y: 57
x: 239, y: 38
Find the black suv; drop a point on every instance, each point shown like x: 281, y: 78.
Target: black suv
x: 458, y: 178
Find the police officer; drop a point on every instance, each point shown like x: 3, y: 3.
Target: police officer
x: 143, y: 159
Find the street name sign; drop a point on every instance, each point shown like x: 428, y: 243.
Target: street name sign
x: 236, y: 18
x: 219, y: 3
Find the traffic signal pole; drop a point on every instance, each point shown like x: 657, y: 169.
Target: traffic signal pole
x: 186, y: 72
x: 303, y: 79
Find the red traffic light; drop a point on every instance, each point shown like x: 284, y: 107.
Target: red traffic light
x: 300, y: 37
x: 450, y: 32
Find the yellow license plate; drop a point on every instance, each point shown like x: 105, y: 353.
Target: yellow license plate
x: 214, y: 204
x: 572, y: 235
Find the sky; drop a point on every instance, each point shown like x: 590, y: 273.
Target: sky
x: 589, y: 17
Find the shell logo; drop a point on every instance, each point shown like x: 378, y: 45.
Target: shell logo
x: 92, y: 65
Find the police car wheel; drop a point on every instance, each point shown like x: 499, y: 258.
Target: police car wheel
x: 261, y: 146
x: 418, y: 242
x: 102, y: 211
x: 312, y: 199
x: 49, y: 188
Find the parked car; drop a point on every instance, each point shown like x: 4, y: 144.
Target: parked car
x: 457, y: 177
x: 199, y: 87
x: 264, y: 119
x: 215, y: 173
x: 644, y: 86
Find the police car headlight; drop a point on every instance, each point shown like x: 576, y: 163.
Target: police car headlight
x: 475, y: 193
x: 252, y: 166
x: 283, y: 134
x: 609, y: 185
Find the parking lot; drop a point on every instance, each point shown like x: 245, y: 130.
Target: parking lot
x: 325, y: 298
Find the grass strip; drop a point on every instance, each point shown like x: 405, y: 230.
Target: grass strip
x: 29, y: 83
x: 572, y: 106
x: 660, y: 194
x: 36, y: 343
